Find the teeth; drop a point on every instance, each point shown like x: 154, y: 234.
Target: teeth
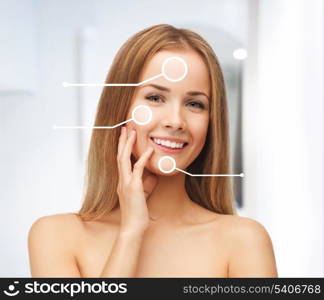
x: 168, y: 143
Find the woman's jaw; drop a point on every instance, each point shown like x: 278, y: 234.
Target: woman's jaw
x: 164, y: 160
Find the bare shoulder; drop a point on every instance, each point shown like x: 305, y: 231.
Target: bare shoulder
x: 52, y: 241
x: 65, y: 224
x: 58, y: 219
x: 249, y: 246
x: 243, y: 228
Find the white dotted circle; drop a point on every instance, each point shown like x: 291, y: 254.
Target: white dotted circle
x: 185, y: 66
x: 169, y: 158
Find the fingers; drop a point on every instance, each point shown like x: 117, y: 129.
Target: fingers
x: 125, y: 147
x: 140, y: 164
x: 125, y: 163
x: 122, y: 141
x: 121, y: 146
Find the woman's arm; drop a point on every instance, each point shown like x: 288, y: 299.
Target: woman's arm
x: 122, y: 261
x: 251, y: 253
x: 132, y: 191
x: 51, y: 247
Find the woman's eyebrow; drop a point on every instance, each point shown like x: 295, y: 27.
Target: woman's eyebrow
x: 158, y: 87
x: 165, y: 89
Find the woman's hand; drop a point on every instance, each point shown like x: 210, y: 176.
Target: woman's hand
x: 131, y: 191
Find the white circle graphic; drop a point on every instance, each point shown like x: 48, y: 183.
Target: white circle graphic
x: 185, y: 68
x: 148, y: 114
x: 167, y: 158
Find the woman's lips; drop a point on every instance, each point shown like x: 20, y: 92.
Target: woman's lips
x: 168, y: 149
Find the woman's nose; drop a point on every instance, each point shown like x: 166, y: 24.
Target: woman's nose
x: 174, y: 119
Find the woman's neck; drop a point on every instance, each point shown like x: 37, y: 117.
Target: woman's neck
x: 169, y: 200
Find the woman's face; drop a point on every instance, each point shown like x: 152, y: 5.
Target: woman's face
x: 180, y: 110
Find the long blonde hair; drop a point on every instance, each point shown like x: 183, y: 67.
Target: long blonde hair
x: 213, y: 193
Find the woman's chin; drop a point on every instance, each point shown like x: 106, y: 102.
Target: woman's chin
x: 153, y: 167
x: 158, y: 172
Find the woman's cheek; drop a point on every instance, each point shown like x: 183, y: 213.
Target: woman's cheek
x: 201, y: 135
x: 202, y: 139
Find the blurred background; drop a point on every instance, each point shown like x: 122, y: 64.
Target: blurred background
x: 271, y: 53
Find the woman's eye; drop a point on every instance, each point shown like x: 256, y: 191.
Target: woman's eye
x: 153, y: 98
x: 196, y: 104
x: 193, y: 104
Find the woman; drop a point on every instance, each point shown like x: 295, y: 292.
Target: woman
x: 137, y: 221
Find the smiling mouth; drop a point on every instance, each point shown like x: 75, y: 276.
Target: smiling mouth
x: 170, y: 145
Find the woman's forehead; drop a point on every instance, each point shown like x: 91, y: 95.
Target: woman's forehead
x: 197, y: 76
